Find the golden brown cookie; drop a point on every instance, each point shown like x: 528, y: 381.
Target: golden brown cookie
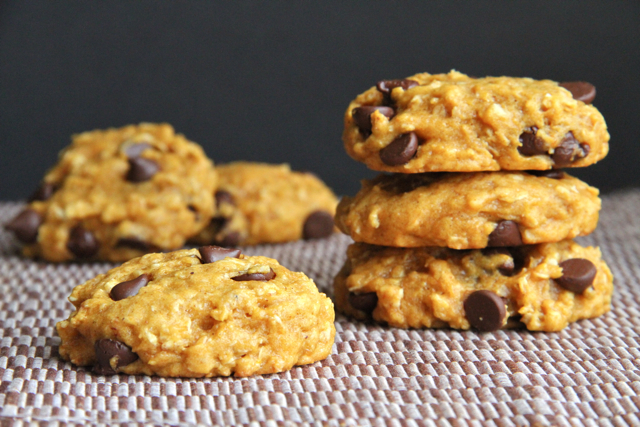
x: 545, y: 287
x: 469, y: 210
x: 118, y: 193
x: 265, y: 203
x: 455, y: 123
x: 197, y: 313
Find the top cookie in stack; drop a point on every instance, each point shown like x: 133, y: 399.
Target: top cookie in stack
x: 421, y: 259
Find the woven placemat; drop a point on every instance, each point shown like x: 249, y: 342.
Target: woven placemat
x: 588, y: 374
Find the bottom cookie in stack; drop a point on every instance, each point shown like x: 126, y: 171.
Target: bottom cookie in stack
x: 543, y: 287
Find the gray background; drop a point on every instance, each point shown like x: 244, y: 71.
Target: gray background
x: 271, y: 81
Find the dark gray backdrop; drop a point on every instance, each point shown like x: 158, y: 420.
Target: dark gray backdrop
x: 269, y: 81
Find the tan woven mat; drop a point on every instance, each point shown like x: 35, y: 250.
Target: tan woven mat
x: 587, y: 374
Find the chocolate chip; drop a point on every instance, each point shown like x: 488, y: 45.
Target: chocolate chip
x: 577, y: 274
x: 209, y: 254
x: 223, y: 196
x: 317, y: 225
x: 141, y: 169
x: 231, y: 239
x: 25, y: 225
x: 366, y: 302
x: 531, y: 144
x: 387, y: 86
x: 549, y: 173
x: 508, y: 268
x: 485, y: 310
x: 44, y: 192
x: 134, y: 150
x: 82, y: 243
x: 362, y: 117
x: 401, y: 150
x: 569, y: 151
x: 129, y: 288
x: 261, y: 277
x: 107, y: 349
x: 133, y: 243
x: 582, y: 91
x: 506, y: 233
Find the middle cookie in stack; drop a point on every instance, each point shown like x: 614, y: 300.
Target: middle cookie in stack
x: 473, y: 248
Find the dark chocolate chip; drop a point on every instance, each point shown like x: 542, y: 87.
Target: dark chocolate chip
x: 141, y: 169
x: 387, y: 86
x: 44, y: 192
x: 508, y: 268
x: 231, y: 239
x: 506, y: 233
x: 25, y: 225
x: 133, y: 243
x: 134, y: 150
x: 107, y: 349
x: 129, y: 288
x: 366, y: 302
x: 531, y: 144
x: 577, y: 274
x: 569, y: 151
x: 582, y: 91
x: 549, y: 173
x: 362, y: 116
x: 82, y: 243
x: 223, y: 196
x: 261, y: 277
x: 209, y: 254
x: 485, y: 310
x: 317, y: 225
x: 401, y: 150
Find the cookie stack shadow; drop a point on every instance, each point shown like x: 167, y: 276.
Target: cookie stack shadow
x: 472, y: 223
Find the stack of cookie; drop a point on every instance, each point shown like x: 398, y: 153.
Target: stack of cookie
x: 474, y: 225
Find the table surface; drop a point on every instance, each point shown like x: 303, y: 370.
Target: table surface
x: 587, y: 374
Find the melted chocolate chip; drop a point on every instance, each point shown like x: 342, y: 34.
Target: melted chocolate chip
x: 387, y: 86
x: 401, y: 150
x: 577, y: 274
x: 134, y: 150
x: 317, y: 225
x: 107, y: 349
x: 44, y: 192
x: 82, y: 243
x: 582, y: 91
x: 141, y: 169
x: 209, y: 254
x: 25, y: 225
x: 506, y: 233
x: 223, y: 196
x: 485, y: 310
x: 549, y: 173
x: 531, y: 144
x: 362, y: 117
x: 569, y: 151
x: 133, y: 243
x: 129, y: 288
x: 366, y: 302
x: 260, y: 277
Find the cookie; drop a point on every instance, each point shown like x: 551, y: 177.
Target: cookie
x: 544, y: 287
x: 455, y: 123
x: 266, y: 203
x: 469, y: 210
x: 197, y: 313
x: 118, y: 193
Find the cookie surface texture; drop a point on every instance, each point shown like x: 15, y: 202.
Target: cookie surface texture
x: 454, y: 123
x: 118, y: 193
x: 461, y: 211
x: 267, y: 203
x: 428, y: 287
x: 232, y: 316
